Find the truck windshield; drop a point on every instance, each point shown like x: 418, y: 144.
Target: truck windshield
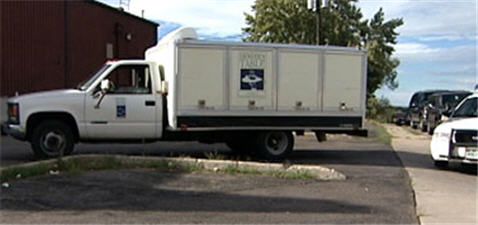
x: 453, y: 100
x: 467, y: 109
x: 86, y: 83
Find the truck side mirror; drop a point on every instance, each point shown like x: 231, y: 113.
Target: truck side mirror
x: 164, y: 87
x: 105, y: 85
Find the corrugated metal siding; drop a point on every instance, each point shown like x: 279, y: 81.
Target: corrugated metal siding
x: 33, y: 37
x: 101, y: 25
x: 32, y: 46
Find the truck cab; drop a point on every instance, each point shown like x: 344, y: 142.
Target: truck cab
x: 121, y: 101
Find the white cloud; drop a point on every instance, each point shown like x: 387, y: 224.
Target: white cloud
x: 456, y: 71
x: 467, y: 83
x: 404, y: 49
x: 447, y: 38
x: 433, y: 20
x: 211, y: 16
x: 419, y: 53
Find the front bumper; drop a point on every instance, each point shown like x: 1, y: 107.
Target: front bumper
x: 457, y: 160
x: 456, y: 155
x: 13, y: 130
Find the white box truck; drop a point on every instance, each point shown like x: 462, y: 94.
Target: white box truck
x: 251, y: 96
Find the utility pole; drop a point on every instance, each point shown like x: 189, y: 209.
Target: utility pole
x: 317, y: 10
x: 316, y: 5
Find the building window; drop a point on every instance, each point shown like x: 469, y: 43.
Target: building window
x: 109, y: 51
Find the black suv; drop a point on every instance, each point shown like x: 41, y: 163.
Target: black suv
x: 416, y: 106
x: 440, y: 104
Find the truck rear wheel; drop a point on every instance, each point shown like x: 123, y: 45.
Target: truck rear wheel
x: 274, y: 145
x: 52, y: 139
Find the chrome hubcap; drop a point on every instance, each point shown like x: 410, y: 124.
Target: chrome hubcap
x: 276, y: 142
x: 53, y: 142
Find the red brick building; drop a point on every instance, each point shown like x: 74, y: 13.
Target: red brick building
x: 57, y: 44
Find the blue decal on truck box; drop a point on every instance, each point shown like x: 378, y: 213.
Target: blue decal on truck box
x: 252, y: 79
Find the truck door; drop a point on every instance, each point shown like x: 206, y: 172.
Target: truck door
x: 128, y: 110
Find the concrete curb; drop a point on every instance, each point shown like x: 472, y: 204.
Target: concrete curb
x: 318, y: 172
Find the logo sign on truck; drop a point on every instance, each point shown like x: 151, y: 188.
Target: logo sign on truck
x: 252, y: 79
x: 252, y: 71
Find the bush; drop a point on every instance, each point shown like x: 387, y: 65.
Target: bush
x: 379, y: 109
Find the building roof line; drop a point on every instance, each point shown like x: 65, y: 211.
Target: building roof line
x: 120, y: 11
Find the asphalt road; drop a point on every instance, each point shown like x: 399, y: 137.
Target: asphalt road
x: 377, y: 189
x: 442, y: 195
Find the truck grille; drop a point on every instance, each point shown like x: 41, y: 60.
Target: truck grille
x: 467, y: 137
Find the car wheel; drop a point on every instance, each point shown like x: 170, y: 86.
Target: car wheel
x: 274, y: 145
x: 413, y: 125
x: 52, y: 139
x: 422, y: 126
x: 430, y: 129
x: 441, y: 164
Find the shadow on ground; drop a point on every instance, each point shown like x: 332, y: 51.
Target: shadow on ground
x: 136, y: 190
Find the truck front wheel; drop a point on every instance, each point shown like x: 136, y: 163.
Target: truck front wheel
x: 274, y: 145
x: 52, y: 139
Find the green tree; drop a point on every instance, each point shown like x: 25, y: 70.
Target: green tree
x: 289, y: 21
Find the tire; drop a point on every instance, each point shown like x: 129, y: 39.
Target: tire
x: 413, y: 125
x: 430, y: 129
x: 423, y: 127
x: 274, y: 145
x: 441, y: 164
x: 52, y: 139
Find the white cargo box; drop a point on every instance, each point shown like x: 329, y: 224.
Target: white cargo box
x: 231, y: 85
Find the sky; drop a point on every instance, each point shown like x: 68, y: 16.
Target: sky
x: 437, y: 45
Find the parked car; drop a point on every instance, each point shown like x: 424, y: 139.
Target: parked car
x: 416, y: 106
x: 439, y: 105
x: 400, y: 117
x: 457, y: 138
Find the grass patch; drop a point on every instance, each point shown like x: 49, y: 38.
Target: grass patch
x: 75, y: 166
x: 383, y: 135
x: 380, y: 133
x: 78, y: 165
x: 20, y: 172
x: 283, y: 174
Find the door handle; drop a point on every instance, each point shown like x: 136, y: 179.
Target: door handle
x: 150, y: 103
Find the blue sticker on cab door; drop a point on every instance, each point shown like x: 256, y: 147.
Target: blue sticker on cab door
x: 121, y: 111
x: 120, y: 107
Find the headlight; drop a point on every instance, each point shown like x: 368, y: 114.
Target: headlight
x: 441, y: 135
x: 13, y: 113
